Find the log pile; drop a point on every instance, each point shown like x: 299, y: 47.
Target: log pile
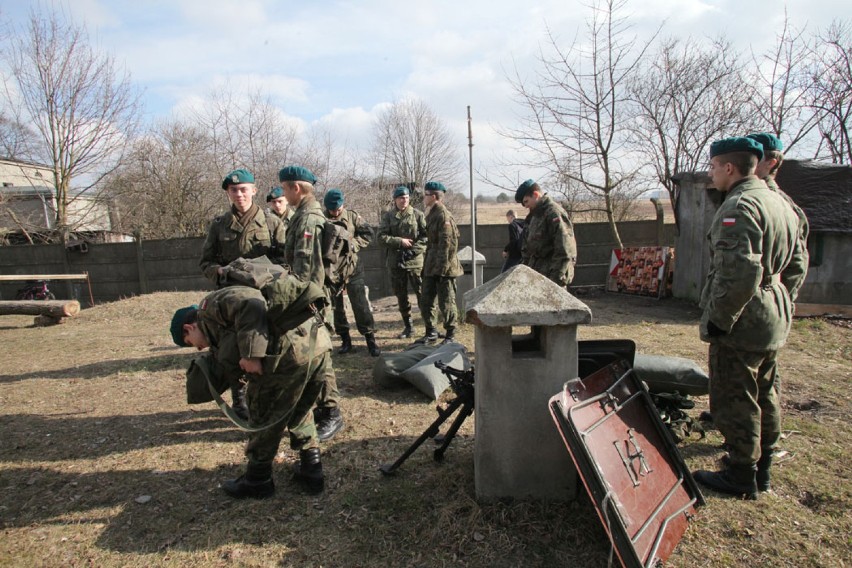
x: 47, y: 312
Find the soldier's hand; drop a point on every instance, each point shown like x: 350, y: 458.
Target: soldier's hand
x: 406, y: 243
x: 252, y: 365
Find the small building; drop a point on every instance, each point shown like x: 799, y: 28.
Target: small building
x: 823, y: 191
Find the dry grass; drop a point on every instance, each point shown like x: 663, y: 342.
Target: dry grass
x: 103, y: 464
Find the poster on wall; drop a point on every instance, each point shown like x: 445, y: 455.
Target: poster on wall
x: 642, y: 271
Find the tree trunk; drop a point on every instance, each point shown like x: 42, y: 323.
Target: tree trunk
x: 52, y: 308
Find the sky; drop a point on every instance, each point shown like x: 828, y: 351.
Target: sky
x: 336, y: 64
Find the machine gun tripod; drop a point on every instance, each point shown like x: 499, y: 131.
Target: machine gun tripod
x: 462, y: 384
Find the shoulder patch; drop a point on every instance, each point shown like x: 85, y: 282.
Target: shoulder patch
x: 308, y: 235
x: 729, y: 221
x: 203, y: 305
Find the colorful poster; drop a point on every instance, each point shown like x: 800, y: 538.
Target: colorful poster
x: 643, y: 271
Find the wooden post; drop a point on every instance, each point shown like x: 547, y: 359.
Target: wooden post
x: 140, y: 263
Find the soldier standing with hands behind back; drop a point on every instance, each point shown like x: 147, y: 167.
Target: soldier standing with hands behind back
x: 403, y: 232
x: 757, y: 266
x: 441, y: 266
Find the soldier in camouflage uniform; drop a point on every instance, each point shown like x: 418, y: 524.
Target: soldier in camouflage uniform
x: 549, y: 246
x: 303, y: 253
x: 284, y: 379
x: 403, y: 233
x: 757, y: 267
x: 277, y: 205
x: 244, y: 231
x: 361, y: 234
x: 441, y: 266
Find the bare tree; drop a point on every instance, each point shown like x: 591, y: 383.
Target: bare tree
x: 780, y: 97
x: 686, y: 95
x: 411, y: 144
x: 167, y: 188
x: 17, y: 141
x: 83, y: 108
x: 578, y: 107
x: 831, y: 89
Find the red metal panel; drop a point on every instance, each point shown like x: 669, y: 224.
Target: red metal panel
x: 630, y: 466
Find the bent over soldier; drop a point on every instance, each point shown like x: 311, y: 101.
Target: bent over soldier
x: 548, y: 240
x: 757, y: 266
x: 403, y: 233
x: 303, y: 253
x: 441, y: 265
x: 243, y: 231
x: 360, y: 234
x: 285, y: 375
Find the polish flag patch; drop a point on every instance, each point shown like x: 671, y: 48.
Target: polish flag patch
x: 729, y: 222
x: 308, y: 235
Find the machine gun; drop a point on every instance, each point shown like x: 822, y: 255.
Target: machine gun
x: 462, y: 384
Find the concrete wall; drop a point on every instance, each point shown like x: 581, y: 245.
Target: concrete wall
x: 118, y: 270
x: 828, y: 280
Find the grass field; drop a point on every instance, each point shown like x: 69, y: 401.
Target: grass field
x: 103, y: 464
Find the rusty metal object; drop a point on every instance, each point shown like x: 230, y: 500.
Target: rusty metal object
x: 630, y: 466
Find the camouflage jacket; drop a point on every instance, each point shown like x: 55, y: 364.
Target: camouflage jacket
x: 227, y: 240
x: 549, y: 246
x: 361, y: 231
x: 285, y: 219
x: 396, y: 225
x: 754, y: 249
x: 303, y: 245
x: 443, y: 243
x: 804, y: 229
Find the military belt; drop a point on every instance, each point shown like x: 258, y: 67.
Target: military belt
x: 771, y: 280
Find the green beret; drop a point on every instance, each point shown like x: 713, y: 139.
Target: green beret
x: 523, y: 189
x: 736, y: 144
x: 333, y: 199
x: 435, y: 186
x: 400, y: 191
x: 274, y: 193
x: 237, y: 176
x: 177, y: 324
x: 769, y: 141
x: 296, y: 173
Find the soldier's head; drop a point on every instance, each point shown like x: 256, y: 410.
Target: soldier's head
x: 297, y: 182
x: 732, y: 159
x: 528, y: 194
x: 241, y: 189
x: 433, y: 191
x: 185, y: 329
x: 276, y: 201
x: 333, y: 202
x: 510, y: 215
x: 773, y: 154
x: 401, y: 197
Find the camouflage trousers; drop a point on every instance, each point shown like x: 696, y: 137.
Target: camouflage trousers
x: 744, y: 401
x: 400, y: 281
x: 286, y: 388
x: 444, y: 288
x: 357, y: 292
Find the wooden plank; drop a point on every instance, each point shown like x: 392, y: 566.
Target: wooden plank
x: 23, y: 277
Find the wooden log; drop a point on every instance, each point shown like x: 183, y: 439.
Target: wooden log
x: 53, y: 308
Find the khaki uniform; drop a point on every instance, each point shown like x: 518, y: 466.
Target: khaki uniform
x: 549, y: 246
x: 755, y: 248
x: 229, y: 239
x: 362, y: 235
x: 395, y: 226
x: 440, y: 267
x: 285, y: 218
x: 233, y: 320
x: 804, y: 227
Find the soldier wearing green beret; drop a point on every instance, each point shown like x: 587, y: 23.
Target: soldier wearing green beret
x: 243, y: 231
x: 441, y: 264
x: 303, y: 254
x: 277, y: 204
x: 756, y: 268
x: 548, y: 246
x: 403, y: 233
x: 361, y: 234
x: 285, y: 376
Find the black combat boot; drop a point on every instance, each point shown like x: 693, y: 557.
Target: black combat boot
x: 736, y: 480
x: 406, y: 331
x: 371, y: 344
x: 308, y: 471
x: 347, y: 343
x: 238, y: 399
x: 450, y: 336
x: 430, y: 337
x: 255, y: 483
x: 329, y: 422
x: 762, y: 477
